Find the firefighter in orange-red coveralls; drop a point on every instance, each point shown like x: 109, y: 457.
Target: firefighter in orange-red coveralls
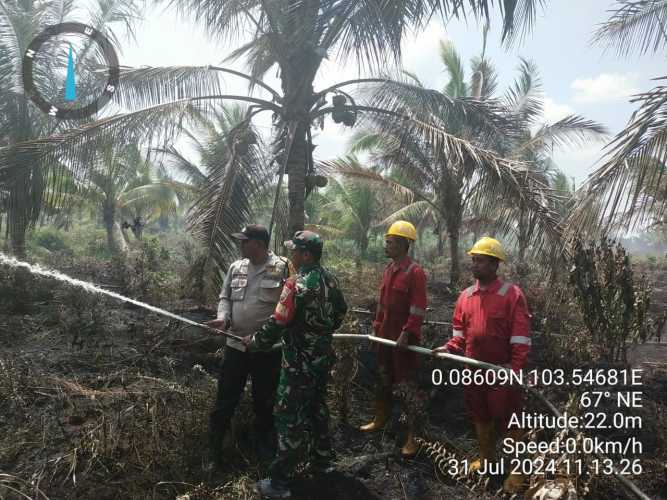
x: 491, y: 323
x: 399, y: 317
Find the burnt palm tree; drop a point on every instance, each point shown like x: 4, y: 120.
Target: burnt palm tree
x: 448, y: 187
x: 535, y: 143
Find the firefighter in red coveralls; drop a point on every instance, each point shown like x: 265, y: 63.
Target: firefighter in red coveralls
x: 491, y: 323
x: 399, y: 317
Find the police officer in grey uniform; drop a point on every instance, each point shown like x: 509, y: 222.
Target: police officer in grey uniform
x: 248, y: 297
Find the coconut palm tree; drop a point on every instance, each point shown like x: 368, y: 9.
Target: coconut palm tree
x: 536, y: 141
x: 352, y: 206
x: 445, y: 187
x: 295, y: 36
x: 20, y: 121
x: 126, y: 185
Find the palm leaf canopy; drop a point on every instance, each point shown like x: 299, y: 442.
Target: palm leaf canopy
x: 449, y: 141
x: 635, y: 26
x: 236, y: 170
x: 633, y: 170
x: 371, y: 30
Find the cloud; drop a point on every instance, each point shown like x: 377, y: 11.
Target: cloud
x: 579, y: 162
x: 554, y: 111
x: 604, y: 87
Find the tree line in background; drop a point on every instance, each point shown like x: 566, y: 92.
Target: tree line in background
x: 461, y: 161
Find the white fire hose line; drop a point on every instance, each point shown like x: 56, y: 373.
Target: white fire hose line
x: 480, y: 364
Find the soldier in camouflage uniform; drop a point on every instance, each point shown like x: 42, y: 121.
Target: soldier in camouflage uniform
x: 311, y: 307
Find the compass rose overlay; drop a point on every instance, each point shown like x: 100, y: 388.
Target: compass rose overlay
x: 71, y: 113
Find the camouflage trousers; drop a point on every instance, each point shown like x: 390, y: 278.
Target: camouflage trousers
x: 301, y: 420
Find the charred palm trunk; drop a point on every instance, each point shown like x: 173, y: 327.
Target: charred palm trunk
x: 455, y: 267
x: 17, y: 218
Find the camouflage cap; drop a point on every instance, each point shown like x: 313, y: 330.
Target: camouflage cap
x: 306, y: 240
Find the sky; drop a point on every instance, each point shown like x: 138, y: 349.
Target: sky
x: 577, y: 76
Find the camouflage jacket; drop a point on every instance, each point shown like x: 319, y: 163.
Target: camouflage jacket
x: 310, y: 309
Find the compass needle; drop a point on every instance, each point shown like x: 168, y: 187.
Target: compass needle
x: 70, y: 84
x: 85, y: 94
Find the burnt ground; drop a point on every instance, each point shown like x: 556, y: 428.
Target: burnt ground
x: 115, y: 405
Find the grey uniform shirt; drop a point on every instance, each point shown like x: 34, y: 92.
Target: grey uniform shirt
x: 250, y: 293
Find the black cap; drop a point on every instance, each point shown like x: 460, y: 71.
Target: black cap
x: 253, y: 232
x: 306, y: 240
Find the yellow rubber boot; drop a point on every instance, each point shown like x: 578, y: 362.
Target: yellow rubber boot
x: 515, y: 481
x: 382, y: 412
x: 410, y: 448
x: 486, y: 437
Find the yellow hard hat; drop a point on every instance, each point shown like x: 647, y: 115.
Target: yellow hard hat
x: 404, y: 229
x: 488, y: 246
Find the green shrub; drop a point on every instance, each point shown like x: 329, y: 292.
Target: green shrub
x: 52, y: 239
x: 613, y: 304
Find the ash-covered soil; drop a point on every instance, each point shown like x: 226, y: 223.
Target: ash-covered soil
x: 115, y: 405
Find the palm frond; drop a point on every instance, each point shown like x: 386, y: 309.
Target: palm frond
x: 76, y: 149
x: 372, y: 30
x: 259, y: 54
x: 143, y: 87
x: 413, y: 76
x: 485, y: 117
x: 223, y: 20
x: 346, y: 168
x: 174, y: 160
x: 364, y: 141
x: 496, y: 179
x: 519, y: 18
x: 489, y: 76
x: 524, y: 98
x: 629, y: 170
x: 571, y: 131
x: 411, y: 212
x: 635, y: 26
x: 10, y: 55
x: 456, y: 87
x: 58, y: 12
x: 104, y: 14
x: 238, y: 171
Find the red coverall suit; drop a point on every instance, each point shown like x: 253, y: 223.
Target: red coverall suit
x: 492, y: 325
x: 402, y: 306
